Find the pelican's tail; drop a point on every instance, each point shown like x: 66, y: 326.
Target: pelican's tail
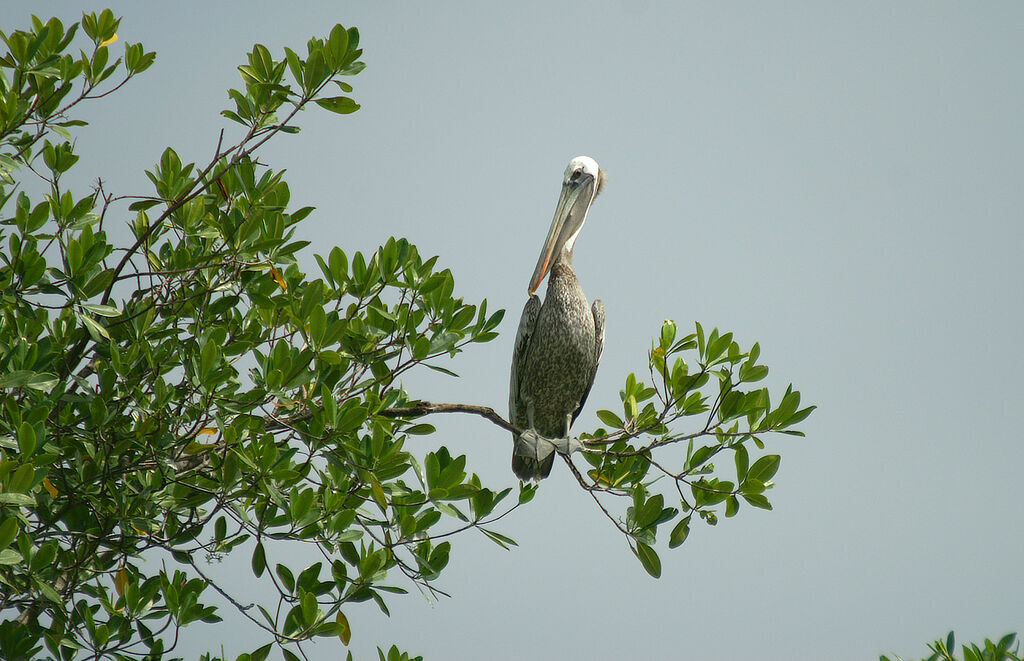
x: 529, y: 468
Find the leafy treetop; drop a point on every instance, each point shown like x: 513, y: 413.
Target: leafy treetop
x: 189, y: 393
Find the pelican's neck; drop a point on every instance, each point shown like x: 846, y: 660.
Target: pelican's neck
x: 565, y: 254
x: 570, y: 241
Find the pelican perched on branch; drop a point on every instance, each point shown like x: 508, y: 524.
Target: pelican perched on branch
x: 559, y: 341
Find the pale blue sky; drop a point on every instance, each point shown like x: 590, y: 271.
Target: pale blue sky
x: 841, y: 183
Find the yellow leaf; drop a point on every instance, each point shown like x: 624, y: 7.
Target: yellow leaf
x: 596, y: 476
x: 207, y: 430
x: 378, y: 493
x: 121, y: 581
x: 49, y: 487
x: 276, y: 275
x: 141, y: 532
x: 344, y: 631
x: 107, y: 42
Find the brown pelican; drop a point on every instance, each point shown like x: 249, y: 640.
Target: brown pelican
x: 559, y: 342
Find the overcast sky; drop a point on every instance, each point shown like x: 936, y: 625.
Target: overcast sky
x: 840, y: 183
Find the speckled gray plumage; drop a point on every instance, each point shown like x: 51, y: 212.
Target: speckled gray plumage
x: 558, y: 347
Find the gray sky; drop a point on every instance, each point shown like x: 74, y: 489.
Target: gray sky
x: 840, y: 183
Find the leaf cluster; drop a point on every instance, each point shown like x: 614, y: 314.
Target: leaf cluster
x: 190, y: 393
x: 1006, y: 649
x: 41, y: 82
x: 704, y: 381
x: 267, y: 90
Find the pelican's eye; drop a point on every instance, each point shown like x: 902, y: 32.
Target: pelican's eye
x: 575, y: 176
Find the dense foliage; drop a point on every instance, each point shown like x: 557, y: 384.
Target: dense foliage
x: 189, y: 394
x: 1006, y: 649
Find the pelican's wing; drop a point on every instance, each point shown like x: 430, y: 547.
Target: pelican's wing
x: 597, y: 309
x: 527, y: 324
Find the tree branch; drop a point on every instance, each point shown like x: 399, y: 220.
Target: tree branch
x: 426, y: 408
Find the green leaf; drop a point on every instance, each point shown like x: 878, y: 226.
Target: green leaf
x: 526, y: 492
x: 651, y: 510
x: 799, y: 416
x: 10, y: 557
x: 49, y: 592
x: 764, y: 468
x: 679, y: 533
x: 499, y: 539
x: 21, y: 480
x: 609, y: 418
x: 700, y: 456
x: 259, y: 560
x: 752, y: 485
x: 649, y: 559
x: 753, y: 373
x: 8, y: 531
x: 26, y: 439
x: 13, y: 498
x: 15, y: 379
x: 286, y: 576
x: 97, y: 331
x: 342, y: 105
x: 337, y: 44
x: 717, y: 345
x: 742, y: 462
x: 102, y: 310
x: 757, y: 500
x: 344, y: 629
x: 352, y: 418
x: 28, y: 379
x: 668, y: 334
x: 44, y: 557
x: 442, y: 370
x: 377, y: 491
x: 732, y: 506
x: 294, y: 64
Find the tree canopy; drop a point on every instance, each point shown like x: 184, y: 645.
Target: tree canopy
x: 176, y: 390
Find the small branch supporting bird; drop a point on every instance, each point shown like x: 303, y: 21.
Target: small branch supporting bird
x: 426, y: 408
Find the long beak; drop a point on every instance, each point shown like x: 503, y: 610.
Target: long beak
x: 554, y: 241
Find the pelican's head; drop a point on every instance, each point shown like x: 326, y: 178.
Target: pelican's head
x: 582, y: 182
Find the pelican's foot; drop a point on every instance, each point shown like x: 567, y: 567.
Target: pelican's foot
x: 567, y: 445
x: 534, y: 446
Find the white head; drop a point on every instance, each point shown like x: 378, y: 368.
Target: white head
x: 584, y: 165
x: 582, y: 181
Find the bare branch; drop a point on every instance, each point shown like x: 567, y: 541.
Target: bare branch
x: 426, y: 408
